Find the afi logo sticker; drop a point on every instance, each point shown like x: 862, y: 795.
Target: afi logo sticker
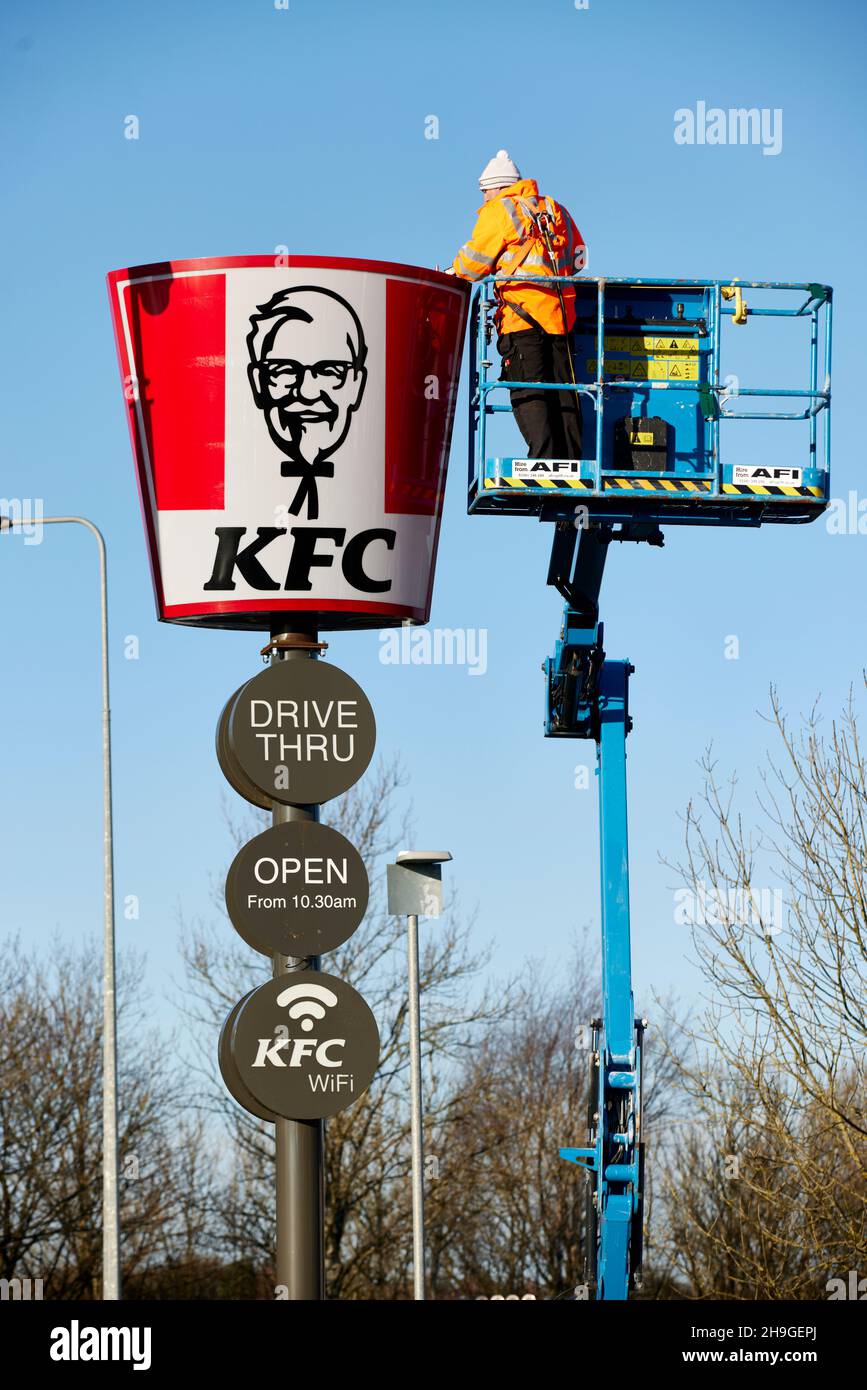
x: 743, y: 473
x: 530, y: 468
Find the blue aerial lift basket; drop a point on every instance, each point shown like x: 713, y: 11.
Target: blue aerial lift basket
x: 658, y: 367
x: 674, y: 431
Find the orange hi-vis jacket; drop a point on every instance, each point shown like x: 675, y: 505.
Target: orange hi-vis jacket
x: 507, y: 241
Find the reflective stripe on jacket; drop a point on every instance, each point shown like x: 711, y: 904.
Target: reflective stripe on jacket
x: 507, y: 242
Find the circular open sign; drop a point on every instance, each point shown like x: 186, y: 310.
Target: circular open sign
x: 298, y: 889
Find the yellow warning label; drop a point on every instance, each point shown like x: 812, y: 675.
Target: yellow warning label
x: 650, y: 369
x: 645, y: 345
x: 615, y: 343
x: 669, y: 345
x: 640, y: 436
x: 684, y: 368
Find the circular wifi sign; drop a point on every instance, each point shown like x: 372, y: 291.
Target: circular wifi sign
x: 305, y: 1045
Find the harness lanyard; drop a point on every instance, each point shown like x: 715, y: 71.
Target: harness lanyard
x: 542, y: 221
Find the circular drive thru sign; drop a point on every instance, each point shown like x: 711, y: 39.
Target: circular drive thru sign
x: 301, y: 732
x: 297, y: 889
x: 304, y: 1045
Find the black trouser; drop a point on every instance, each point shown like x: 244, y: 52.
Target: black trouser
x: 550, y: 421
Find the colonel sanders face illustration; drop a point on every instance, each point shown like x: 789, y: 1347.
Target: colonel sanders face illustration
x: 307, y: 373
x: 307, y: 369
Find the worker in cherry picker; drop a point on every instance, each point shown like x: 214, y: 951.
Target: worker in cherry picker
x: 520, y: 235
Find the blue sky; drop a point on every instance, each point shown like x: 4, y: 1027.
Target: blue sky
x: 262, y: 127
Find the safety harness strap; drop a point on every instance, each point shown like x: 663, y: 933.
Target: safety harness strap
x: 531, y: 232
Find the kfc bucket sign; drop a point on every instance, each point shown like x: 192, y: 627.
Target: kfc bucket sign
x: 291, y: 426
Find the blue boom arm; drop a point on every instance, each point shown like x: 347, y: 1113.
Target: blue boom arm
x: 588, y: 697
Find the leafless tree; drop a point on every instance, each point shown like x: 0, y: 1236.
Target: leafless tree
x: 768, y: 1196
x: 51, y: 1125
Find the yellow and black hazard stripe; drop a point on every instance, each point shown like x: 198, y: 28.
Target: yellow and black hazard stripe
x: 540, y: 482
x: 609, y: 484
x: 658, y: 484
x: 771, y: 490
x: 698, y: 486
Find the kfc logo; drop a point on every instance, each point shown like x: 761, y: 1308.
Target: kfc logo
x: 307, y: 373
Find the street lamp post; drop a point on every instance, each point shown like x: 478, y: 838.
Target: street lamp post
x: 414, y: 890
x: 110, y: 1215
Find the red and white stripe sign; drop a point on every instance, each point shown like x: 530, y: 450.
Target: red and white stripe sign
x: 291, y: 420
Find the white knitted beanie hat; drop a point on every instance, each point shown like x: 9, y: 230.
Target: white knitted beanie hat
x: 499, y: 172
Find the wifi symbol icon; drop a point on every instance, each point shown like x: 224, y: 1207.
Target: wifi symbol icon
x: 305, y: 1002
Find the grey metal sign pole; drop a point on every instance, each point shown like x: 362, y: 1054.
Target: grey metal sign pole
x: 418, y: 1278
x: 300, y: 1144
x: 110, y: 1211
